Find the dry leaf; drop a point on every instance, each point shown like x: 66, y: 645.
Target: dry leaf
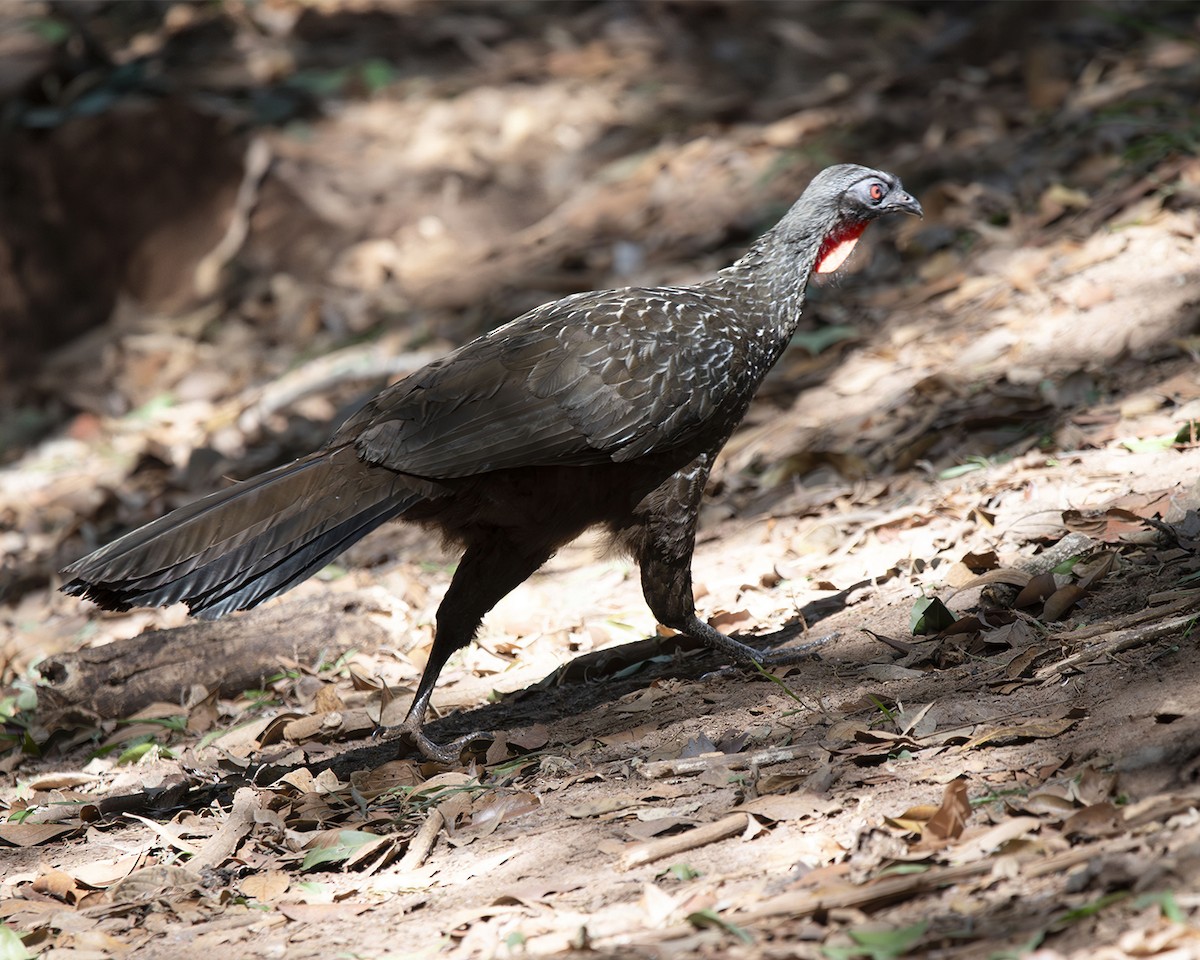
x: 1030, y: 730
x: 491, y: 811
x: 1036, y: 590
x: 59, y: 780
x: 951, y: 817
x: 267, y: 886
x: 153, y: 882
x: 389, y: 776
x: 56, y: 883
x: 1098, y: 820
x: 599, y: 807
x: 785, y: 807
x: 994, y: 839
x: 1062, y: 601
x: 32, y: 834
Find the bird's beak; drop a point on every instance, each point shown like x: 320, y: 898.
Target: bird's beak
x: 906, y: 202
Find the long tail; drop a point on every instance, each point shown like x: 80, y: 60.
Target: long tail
x: 238, y: 547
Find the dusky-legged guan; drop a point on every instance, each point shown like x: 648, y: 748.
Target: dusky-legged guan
x: 603, y: 408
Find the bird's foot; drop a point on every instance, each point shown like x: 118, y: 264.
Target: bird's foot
x: 450, y: 753
x: 778, y: 658
x: 445, y: 752
x: 745, y: 654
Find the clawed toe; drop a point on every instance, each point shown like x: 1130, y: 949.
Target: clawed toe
x: 779, y: 658
x: 790, y: 655
x: 449, y: 753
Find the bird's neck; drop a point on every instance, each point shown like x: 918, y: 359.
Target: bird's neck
x: 770, y: 280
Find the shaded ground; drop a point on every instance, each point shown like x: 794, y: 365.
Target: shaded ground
x: 253, y: 217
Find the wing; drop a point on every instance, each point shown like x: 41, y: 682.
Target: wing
x: 592, y: 378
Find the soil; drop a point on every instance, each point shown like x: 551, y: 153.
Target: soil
x: 993, y: 409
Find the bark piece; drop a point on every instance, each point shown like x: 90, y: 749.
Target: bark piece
x: 231, y: 655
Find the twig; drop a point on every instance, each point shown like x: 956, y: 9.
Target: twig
x: 207, y: 275
x: 652, y: 850
x: 359, y: 362
x: 420, y: 846
x: 1122, y: 641
x: 1133, y: 619
x: 656, y: 769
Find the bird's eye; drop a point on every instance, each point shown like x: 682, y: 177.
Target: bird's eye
x: 876, y: 192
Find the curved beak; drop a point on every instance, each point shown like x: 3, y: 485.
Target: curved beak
x: 901, y: 200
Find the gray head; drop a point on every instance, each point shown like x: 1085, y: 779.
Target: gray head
x: 852, y: 193
x: 822, y: 226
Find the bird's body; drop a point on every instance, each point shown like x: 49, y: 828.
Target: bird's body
x: 600, y: 409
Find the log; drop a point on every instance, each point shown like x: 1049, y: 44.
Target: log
x: 230, y: 655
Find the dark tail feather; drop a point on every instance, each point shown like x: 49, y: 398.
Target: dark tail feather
x: 236, y: 548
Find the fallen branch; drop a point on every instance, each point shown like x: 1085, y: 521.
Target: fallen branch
x: 421, y: 845
x: 1126, y: 640
x: 651, y: 850
x: 239, y: 653
x: 656, y: 769
x: 890, y: 889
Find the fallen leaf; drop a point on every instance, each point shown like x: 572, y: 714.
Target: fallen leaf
x: 1030, y: 730
x: 1036, y: 590
x: 267, y: 886
x: 150, y: 883
x: 1098, y: 820
x: 951, y: 817
x: 597, y: 808
x: 1062, y: 601
x: 33, y: 834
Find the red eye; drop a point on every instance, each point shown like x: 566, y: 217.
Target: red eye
x: 876, y: 192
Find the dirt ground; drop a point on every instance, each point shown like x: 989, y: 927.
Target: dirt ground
x: 225, y: 225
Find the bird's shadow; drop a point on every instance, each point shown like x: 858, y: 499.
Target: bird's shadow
x: 592, y: 680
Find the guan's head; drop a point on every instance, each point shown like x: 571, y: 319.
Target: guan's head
x: 836, y: 208
x: 859, y: 193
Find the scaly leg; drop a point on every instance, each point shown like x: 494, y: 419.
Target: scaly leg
x: 664, y: 554
x: 488, y: 571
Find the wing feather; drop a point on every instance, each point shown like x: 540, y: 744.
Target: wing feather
x: 584, y: 380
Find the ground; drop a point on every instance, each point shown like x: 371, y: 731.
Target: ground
x: 246, y: 219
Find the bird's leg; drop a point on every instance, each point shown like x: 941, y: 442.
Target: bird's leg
x: 667, y: 585
x: 487, y: 572
x: 414, y: 720
x: 664, y: 555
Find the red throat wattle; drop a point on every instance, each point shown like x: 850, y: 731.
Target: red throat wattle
x: 836, y: 247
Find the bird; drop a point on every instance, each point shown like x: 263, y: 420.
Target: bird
x: 602, y: 409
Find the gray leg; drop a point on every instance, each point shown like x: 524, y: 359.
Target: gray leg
x: 664, y: 554
x: 488, y: 571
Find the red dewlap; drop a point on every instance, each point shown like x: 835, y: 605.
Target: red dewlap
x: 837, y: 247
